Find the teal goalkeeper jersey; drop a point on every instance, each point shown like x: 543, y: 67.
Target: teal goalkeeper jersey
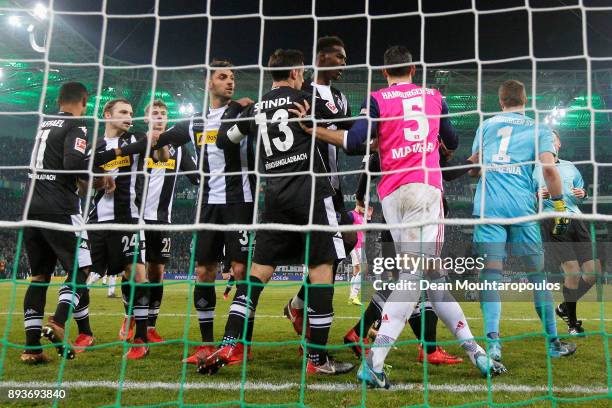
x: 570, y: 177
x: 509, y: 140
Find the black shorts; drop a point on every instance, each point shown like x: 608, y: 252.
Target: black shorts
x: 158, y: 244
x: 210, y: 244
x: 342, y: 215
x: 574, y: 245
x: 45, y: 247
x: 287, y: 247
x: 112, y: 251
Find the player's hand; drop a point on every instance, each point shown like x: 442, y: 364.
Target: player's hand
x: 445, y: 152
x: 543, y: 193
x: 154, y: 136
x: 561, y: 223
x: 474, y: 158
x: 578, y: 192
x: 244, y: 101
x: 301, y: 111
x: 109, y: 184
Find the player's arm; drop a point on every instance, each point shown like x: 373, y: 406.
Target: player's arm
x: 580, y: 193
x: 470, y: 164
x: 374, y: 166
x: 189, y: 166
x: 161, y: 155
x: 448, y: 135
x: 76, y: 151
x: 231, y: 133
x: 476, y: 149
x: 551, y: 176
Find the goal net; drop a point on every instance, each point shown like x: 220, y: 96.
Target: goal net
x: 163, y: 50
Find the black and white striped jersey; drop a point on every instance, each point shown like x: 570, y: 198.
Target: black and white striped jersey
x: 217, y: 187
x: 337, y: 103
x: 123, y: 205
x: 61, y: 144
x: 162, y: 180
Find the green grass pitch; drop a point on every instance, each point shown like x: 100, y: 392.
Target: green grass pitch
x: 275, y: 375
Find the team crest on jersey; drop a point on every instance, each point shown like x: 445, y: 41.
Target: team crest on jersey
x: 330, y: 105
x: 210, y: 137
x: 80, y: 145
x: 120, y: 161
x: 84, y: 129
x: 169, y: 165
x: 171, y: 150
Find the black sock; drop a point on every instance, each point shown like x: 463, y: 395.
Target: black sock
x: 156, y: 293
x: 237, y: 312
x: 205, y: 300
x: 69, y: 296
x: 431, y: 322
x: 34, y: 313
x: 250, y: 326
x: 301, y: 293
x: 569, y: 305
x: 371, y: 314
x: 81, y: 314
x: 320, y: 319
x: 141, y: 311
x: 126, y: 290
x: 583, y: 288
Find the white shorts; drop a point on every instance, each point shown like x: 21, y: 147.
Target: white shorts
x: 356, y: 256
x: 411, y: 203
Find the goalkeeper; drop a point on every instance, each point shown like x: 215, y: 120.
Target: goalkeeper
x: 506, y: 142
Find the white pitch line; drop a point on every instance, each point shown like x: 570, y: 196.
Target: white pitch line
x: 194, y: 315
x: 331, y: 387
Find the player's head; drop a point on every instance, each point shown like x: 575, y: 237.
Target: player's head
x: 156, y: 115
x: 556, y: 141
x: 75, y: 94
x: 400, y: 56
x: 221, y: 79
x: 290, y: 59
x: 512, y: 94
x: 118, y: 113
x: 331, y: 53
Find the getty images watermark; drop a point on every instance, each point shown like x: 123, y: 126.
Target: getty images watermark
x: 459, y: 265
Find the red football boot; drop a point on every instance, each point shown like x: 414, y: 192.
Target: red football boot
x: 124, y: 333
x: 153, y: 336
x: 82, y: 342
x: 138, y: 350
x: 352, y: 337
x: 201, y: 353
x: 440, y: 356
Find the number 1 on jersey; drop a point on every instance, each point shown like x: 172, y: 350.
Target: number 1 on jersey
x: 42, y: 136
x: 502, y: 153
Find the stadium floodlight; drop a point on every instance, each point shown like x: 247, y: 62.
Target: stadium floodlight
x: 14, y: 21
x: 40, y: 11
x: 186, y: 109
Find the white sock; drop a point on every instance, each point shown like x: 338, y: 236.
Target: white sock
x: 103, y: 278
x: 93, y: 278
x: 395, y: 314
x: 355, y: 286
x: 111, y: 285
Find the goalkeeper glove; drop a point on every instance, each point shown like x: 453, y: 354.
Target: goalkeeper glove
x: 561, y: 223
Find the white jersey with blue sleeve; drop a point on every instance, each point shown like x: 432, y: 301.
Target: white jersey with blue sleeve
x: 570, y: 178
x: 509, y: 142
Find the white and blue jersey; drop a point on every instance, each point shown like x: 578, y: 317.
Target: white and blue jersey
x: 570, y: 178
x: 509, y: 144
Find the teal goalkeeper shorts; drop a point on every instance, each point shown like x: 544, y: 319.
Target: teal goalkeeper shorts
x: 523, y: 240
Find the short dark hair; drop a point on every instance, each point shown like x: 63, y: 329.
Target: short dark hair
x: 284, y: 58
x: 108, y: 106
x: 71, y: 92
x: 217, y: 64
x: 512, y: 93
x: 156, y: 103
x: 327, y: 43
x: 398, y: 54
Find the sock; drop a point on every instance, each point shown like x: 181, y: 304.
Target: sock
x: 543, y: 302
x: 156, y: 292
x: 141, y: 311
x: 33, y: 314
x: 355, y: 285
x: 397, y: 310
x: 250, y: 327
x: 230, y: 283
x: 298, y: 300
x: 111, y: 285
x: 81, y: 314
x: 69, y: 296
x: 569, y: 295
x: 431, y: 323
x: 241, y: 306
x: 490, y: 302
x: 126, y: 290
x: 104, y: 278
x: 372, y: 312
x: 583, y: 288
x: 320, y: 317
x: 205, y: 300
